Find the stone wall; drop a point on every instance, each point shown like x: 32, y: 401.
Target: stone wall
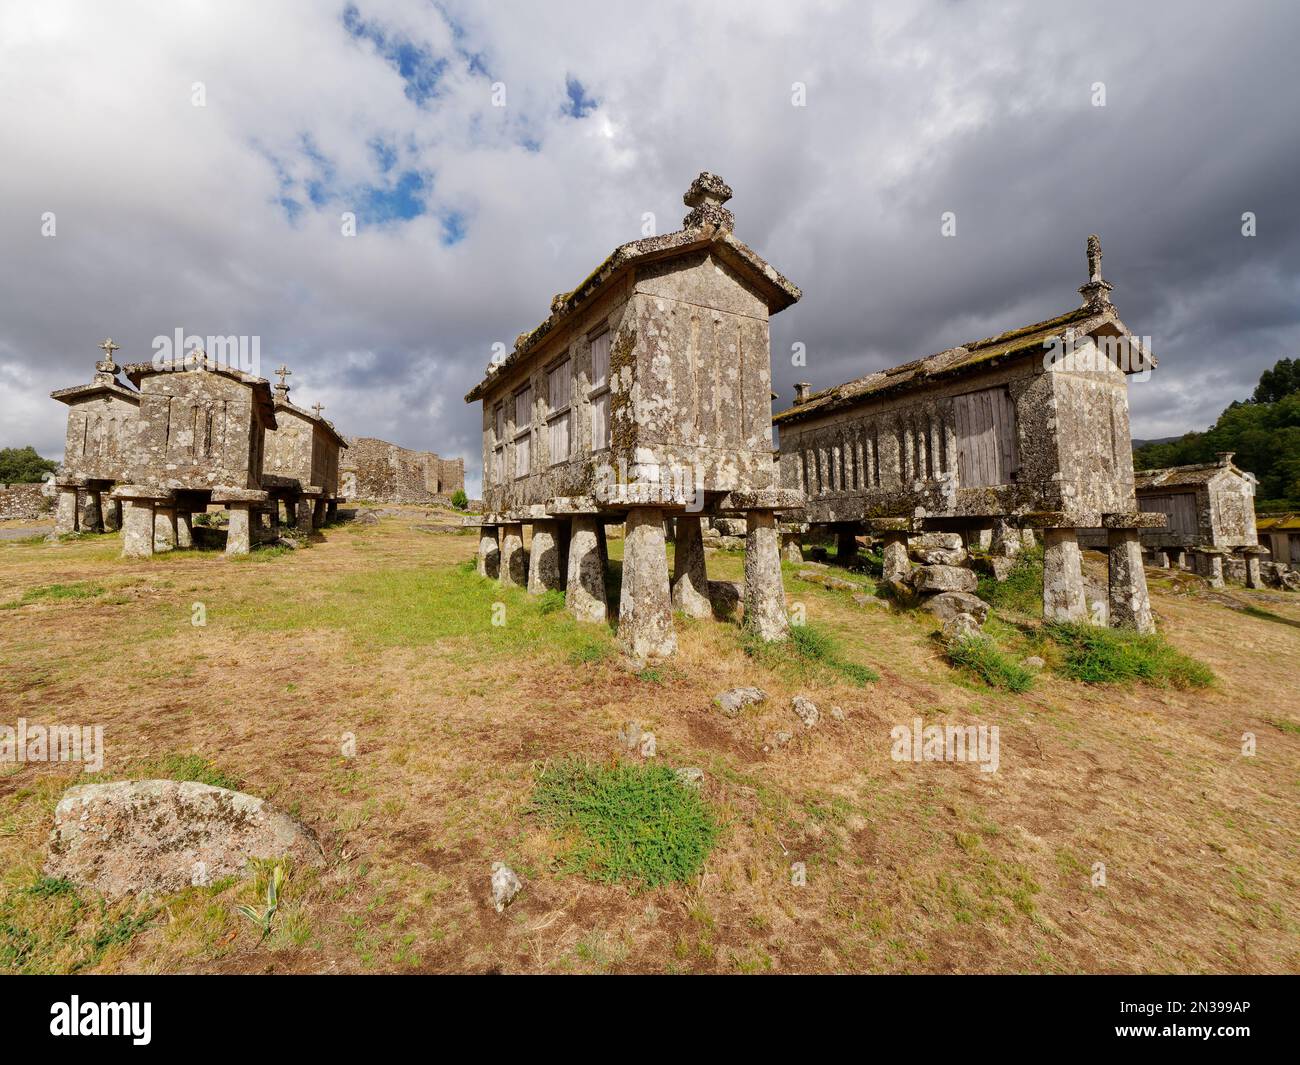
x: 375, y: 469
x: 25, y: 501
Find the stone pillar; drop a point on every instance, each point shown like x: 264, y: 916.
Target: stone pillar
x: 318, y: 513
x: 110, y: 513
x: 544, y: 573
x: 846, y: 545
x: 1213, y: 563
x: 91, y: 518
x: 602, y: 539
x: 1006, y: 539
x: 1180, y: 559
x: 489, y: 552
x: 765, y: 614
x: 184, y: 527
x: 645, y: 613
x: 1130, y: 605
x: 304, y: 514
x: 332, y: 510
x: 690, y: 578
x: 1027, y: 538
x: 137, y: 528
x: 896, y: 568
x: 164, y: 528
x: 1063, y: 595
x: 513, y: 572
x: 584, y: 594
x: 792, y: 548
x: 1162, y: 559
x: 239, y: 534
x: 285, y: 512
x: 1254, y: 578
x: 65, y: 511
x: 981, y: 538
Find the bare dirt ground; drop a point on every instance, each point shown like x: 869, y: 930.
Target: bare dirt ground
x: 383, y: 632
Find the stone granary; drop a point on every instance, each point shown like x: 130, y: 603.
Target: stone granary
x: 644, y: 394
x: 100, y: 439
x: 1210, y: 510
x: 1026, y: 430
x: 300, y: 466
x: 1281, y: 532
x: 199, y: 439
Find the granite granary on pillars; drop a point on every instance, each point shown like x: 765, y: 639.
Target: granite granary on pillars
x: 645, y: 394
x: 199, y: 440
x: 300, y: 466
x: 99, y: 441
x: 1210, y: 510
x: 1026, y: 430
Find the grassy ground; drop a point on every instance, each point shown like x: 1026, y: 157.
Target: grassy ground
x: 383, y: 632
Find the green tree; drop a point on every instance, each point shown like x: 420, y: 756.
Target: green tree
x: 1279, y: 382
x: 22, y: 465
x: 459, y: 499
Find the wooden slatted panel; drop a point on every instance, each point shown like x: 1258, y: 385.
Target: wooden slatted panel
x: 986, y: 438
x: 1179, y: 506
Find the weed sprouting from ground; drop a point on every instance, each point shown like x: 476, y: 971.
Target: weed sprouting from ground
x: 637, y: 824
x: 1096, y: 655
x: 980, y: 655
x: 809, y: 649
x: 551, y: 601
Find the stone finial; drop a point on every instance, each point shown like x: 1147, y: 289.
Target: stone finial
x: 282, y: 389
x: 106, y: 368
x: 705, y: 198
x: 802, y: 390
x: 1225, y: 457
x: 317, y: 408
x: 1096, y: 293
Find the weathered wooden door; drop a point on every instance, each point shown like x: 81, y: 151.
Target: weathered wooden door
x: 1180, y: 508
x: 986, y: 438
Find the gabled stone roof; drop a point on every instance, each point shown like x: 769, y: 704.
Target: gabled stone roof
x: 138, y: 371
x: 708, y: 225
x: 1096, y: 313
x: 113, y: 387
x: 1278, y: 523
x: 1182, y: 476
x: 284, y: 404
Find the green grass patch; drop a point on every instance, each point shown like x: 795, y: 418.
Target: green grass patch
x: 57, y: 593
x: 1022, y: 591
x: 1096, y: 655
x: 47, y: 927
x: 172, y: 767
x: 1283, y: 725
x: 634, y: 823
x: 981, y: 656
x: 810, y: 650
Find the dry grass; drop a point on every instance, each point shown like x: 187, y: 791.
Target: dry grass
x: 380, y: 631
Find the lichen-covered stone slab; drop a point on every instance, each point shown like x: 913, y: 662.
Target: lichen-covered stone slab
x: 157, y: 837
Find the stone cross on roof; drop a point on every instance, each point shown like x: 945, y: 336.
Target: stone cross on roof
x: 282, y: 373
x: 108, y: 348
x: 705, y: 197
x: 106, y: 367
x: 318, y: 408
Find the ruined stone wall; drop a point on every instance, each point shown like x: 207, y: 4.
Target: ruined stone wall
x: 25, y: 501
x: 375, y: 469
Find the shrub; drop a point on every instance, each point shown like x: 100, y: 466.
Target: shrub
x: 1022, y: 591
x: 635, y: 823
x: 459, y: 499
x: 1098, y: 655
x: 980, y: 655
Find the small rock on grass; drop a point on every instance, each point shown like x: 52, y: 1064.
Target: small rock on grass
x: 505, y: 885
x: 691, y: 776
x: 806, y: 709
x: 1034, y: 662
x: 734, y: 700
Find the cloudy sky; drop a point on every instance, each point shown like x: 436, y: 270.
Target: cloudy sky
x: 226, y: 218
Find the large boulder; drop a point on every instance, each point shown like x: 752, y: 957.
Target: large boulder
x: 947, y: 605
x: 939, y: 556
x: 936, y: 541
x: 156, y: 837
x: 944, y: 579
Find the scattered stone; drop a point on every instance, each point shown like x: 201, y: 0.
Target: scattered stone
x: 734, y: 700
x: 780, y: 739
x: 837, y: 713
x: 646, y: 748
x: 157, y: 837
x: 944, y: 579
x: 936, y: 541
x: 862, y: 599
x: 366, y: 517
x: 691, y: 776
x: 505, y: 886
x: 938, y: 556
x: 947, y: 605
x: 806, y: 709
x: 819, y: 554
x: 629, y: 736
x: 1034, y: 662
x: 960, y: 627
x: 828, y: 580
